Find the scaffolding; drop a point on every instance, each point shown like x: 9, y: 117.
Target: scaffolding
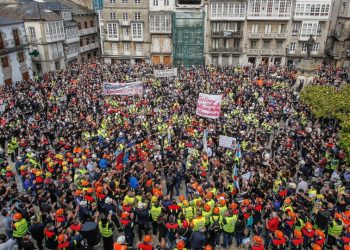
x: 188, y: 38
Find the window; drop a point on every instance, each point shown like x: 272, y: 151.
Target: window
x: 137, y: 16
x: 125, y: 17
x: 269, y: 8
x: 137, y: 30
x: 85, y: 25
x: 292, y: 47
x: 112, y: 30
x: 342, y: 7
x: 92, y: 23
x: 295, y: 29
x: 124, y: 1
x: 126, y: 32
x: 268, y: 28
x: 255, y: 28
x: 315, y: 47
x: 155, y: 2
x: 126, y: 47
x: 215, y: 43
x: 79, y: 26
x: 253, y: 44
x: 54, y: 30
x: 66, y: 15
x: 5, y: 62
x: 112, y: 1
x: 20, y: 56
x: 115, y: 48
x: 279, y: 44
x: 166, y: 3
x: 16, y: 37
x: 137, y: 1
x: 138, y: 48
x: 266, y: 44
x: 87, y: 41
x: 313, y: 10
x: 160, y: 23
x: 281, y: 29
x: 236, y: 43
x: 112, y: 16
x: 32, y: 32
x: 2, y: 46
x: 304, y: 48
x: 309, y: 28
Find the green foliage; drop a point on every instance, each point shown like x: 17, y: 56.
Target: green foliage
x: 331, y: 102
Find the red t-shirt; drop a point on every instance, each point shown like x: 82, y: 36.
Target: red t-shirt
x: 143, y: 246
x: 297, y: 242
x: 278, y: 242
x: 273, y: 224
x: 258, y: 247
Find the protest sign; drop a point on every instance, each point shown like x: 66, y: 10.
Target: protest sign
x: 130, y: 88
x: 165, y: 72
x: 209, y: 105
x: 226, y: 141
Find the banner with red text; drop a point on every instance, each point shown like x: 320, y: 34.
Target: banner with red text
x: 209, y: 105
x: 129, y: 88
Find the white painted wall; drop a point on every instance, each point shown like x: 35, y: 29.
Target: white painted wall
x: 16, y: 74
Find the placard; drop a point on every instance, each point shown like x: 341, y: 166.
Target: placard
x: 209, y: 105
x: 165, y: 72
x: 130, y: 88
x: 226, y: 141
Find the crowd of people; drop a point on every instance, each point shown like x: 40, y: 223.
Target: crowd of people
x: 134, y: 170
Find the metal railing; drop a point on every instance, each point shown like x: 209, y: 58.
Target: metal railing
x: 268, y: 35
x: 56, y: 55
x: 281, y: 35
x: 13, y: 43
x: 87, y: 31
x: 254, y: 35
x: 222, y: 33
x: 224, y: 49
x: 89, y: 47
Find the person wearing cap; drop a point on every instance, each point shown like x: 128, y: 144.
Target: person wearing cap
x: 335, y: 229
x: 197, y: 240
x: 65, y: 243
x: 199, y: 222
x: 120, y: 244
x: 297, y: 241
x: 146, y: 244
x: 215, y: 226
x: 172, y: 228
x: 20, y: 228
x: 142, y: 218
x: 257, y: 243
x: 50, y: 237
x: 106, y: 228
x: 308, y: 234
x: 155, y: 212
x: 180, y: 245
x: 36, y: 229
x: 278, y: 241
x: 228, y: 228
x: 188, y: 210
x: 128, y: 226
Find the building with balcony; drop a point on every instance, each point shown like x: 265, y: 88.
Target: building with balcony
x: 160, y: 16
x: 85, y: 28
x: 267, y: 28
x: 45, y: 34
x: 125, y: 31
x: 338, y: 41
x: 310, y: 17
x: 224, y: 33
x: 15, y: 61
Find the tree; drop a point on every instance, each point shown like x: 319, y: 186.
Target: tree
x: 332, y: 103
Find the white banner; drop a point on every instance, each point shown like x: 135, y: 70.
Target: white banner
x: 130, y: 88
x: 226, y: 141
x: 165, y: 72
x: 209, y: 105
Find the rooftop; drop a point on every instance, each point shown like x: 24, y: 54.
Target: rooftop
x: 27, y: 11
x: 7, y: 21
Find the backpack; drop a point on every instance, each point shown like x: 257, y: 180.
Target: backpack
x: 215, y: 226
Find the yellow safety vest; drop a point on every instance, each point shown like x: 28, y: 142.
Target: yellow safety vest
x: 105, y: 231
x: 155, y: 212
x: 199, y: 224
x: 21, y: 228
x: 229, y: 224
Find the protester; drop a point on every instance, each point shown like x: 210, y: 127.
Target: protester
x: 72, y: 157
